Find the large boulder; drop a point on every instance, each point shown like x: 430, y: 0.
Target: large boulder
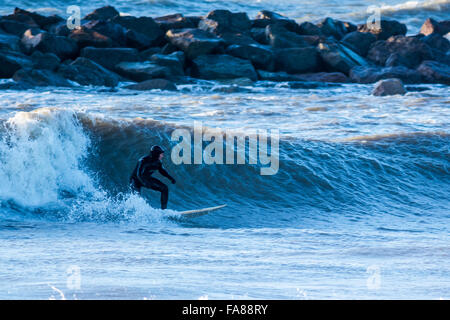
x: 87, y: 72
x: 141, y: 71
x: 280, y: 76
x: 195, y: 42
x: 260, y: 56
x: 42, y: 21
x: 373, y: 74
x: 265, y: 18
x: 271, y: 16
x: 222, y: 66
x: 359, y: 41
x: 296, y: 60
x: 147, y: 53
x: 9, y: 42
x: 152, y: 84
x: 110, y: 29
x: 103, y: 13
x: 40, y: 78
x: 389, y: 87
x: 177, y: 21
x: 333, y: 77
x: 231, y: 38
x: 388, y: 28
x: 59, y: 29
x: 411, y: 50
x: 437, y: 42
x: 334, y: 28
x: 259, y: 35
x: 34, y: 39
x: 310, y: 85
x: 219, y: 21
x: 309, y: 29
x: 435, y: 72
x: 48, y: 61
x: 10, y: 62
x: 110, y: 57
x: 173, y: 61
x: 142, y: 32
x: 338, y: 57
x: 280, y: 37
x: 89, y: 38
x: 431, y: 26
x: 17, y: 24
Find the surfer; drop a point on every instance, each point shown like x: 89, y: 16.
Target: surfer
x: 142, y: 174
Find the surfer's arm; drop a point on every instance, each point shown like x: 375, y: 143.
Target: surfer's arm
x: 141, y: 169
x: 165, y: 173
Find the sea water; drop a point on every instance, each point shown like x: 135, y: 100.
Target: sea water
x: 359, y: 208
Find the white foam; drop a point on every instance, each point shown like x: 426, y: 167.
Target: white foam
x: 435, y: 5
x: 41, y: 154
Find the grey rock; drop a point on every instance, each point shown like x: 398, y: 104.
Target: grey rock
x: 48, y: 61
x: 87, y: 72
x: 177, y: 21
x: 161, y: 84
x: 42, y: 21
x: 388, y: 28
x: 412, y: 51
x: 43, y: 41
x: 84, y: 37
x: 296, y: 60
x: 332, y: 77
x: 431, y: 26
x: 435, y: 72
x: 222, y: 66
x: 110, y: 57
x: 40, y: 78
x: 279, y: 37
x: 332, y: 27
x: 389, y: 87
x: 277, y: 76
x: 9, y: 42
x: 260, y: 56
x: 373, y: 74
x: 219, y: 21
x: 359, y: 41
x: 194, y: 42
x: 142, y: 32
x: 338, y: 57
x: 11, y: 62
x: 103, y: 13
x: 141, y: 71
x: 173, y: 61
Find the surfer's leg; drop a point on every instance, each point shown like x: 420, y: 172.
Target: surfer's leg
x: 157, y: 185
x: 135, y: 185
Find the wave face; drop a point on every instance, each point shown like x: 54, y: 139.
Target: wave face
x: 62, y: 164
x: 413, y: 13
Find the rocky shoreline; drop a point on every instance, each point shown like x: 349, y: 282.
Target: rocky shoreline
x: 158, y: 53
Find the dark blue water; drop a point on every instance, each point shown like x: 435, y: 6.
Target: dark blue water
x: 347, y: 215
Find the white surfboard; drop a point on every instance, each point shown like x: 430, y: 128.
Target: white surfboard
x: 199, y: 212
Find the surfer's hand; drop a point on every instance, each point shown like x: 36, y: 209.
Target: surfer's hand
x: 173, y: 181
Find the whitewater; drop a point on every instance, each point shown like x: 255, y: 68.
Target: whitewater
x: 359, y: 209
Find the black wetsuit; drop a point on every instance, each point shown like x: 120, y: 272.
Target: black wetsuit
x: 142, y: 177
